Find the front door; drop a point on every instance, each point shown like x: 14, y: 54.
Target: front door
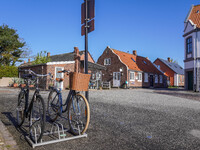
x: 116, y: 79
x: 151, y: 80
x: 58, y: 75
x: 190, y: 80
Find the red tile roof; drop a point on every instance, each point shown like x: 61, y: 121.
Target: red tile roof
x: 137, y: 63
x: 195, y: 15
x: 127, y: 59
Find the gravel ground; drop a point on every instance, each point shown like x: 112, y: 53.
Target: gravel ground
x: 124, y: 119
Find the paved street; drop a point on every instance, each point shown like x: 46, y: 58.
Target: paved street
x: 143, y: 119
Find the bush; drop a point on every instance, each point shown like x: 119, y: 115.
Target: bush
x: 8, y: 71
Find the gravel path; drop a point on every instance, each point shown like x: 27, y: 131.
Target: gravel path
x: 125, y: 119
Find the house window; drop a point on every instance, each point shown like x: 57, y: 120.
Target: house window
x: 107, y: 61
x: 161, y: 79
x: 179, y: 79
x: 139, y: 77
x: 145, y: 77
x: 156, y: 78
x: 182, y: 79
x: 189, y: 45
x: 132, y: 76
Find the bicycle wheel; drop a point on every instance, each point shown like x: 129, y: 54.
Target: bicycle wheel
x: 37, y: 119
x: 78, y: 114
x: 21, y: 108
x: 53, y: 105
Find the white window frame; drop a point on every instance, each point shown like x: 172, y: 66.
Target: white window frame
x: 145, y: 77
x: 133, y: 76
x: 160, y: 79
x: 139, y: 77
x: 62, y: 76
x: 107, y: 61
x: 156, y: 78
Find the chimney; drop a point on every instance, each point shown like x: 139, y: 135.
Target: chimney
x: 147, y: 58
x: 24, y: 61
x: 48, y: 54
x: 135, y: 52
x: 168, y: 59
x: 29, y: 60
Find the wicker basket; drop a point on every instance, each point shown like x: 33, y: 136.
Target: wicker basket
x: 79, y: 81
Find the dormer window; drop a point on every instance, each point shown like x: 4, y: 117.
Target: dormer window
x: 197, y: 11
x: 189, y: 45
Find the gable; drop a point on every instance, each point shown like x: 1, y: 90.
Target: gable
x: 189, y: 26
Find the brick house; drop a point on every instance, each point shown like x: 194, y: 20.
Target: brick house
x: 124, y: 68
x: 192, y: 49
x: 173, y: 71
x: 61, y: 62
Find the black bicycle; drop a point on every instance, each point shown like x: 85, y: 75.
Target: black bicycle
x: 76, y: 105
x: 35, y: 110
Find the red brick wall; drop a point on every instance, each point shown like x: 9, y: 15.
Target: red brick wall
x: 168, y: 72
x: 51, y: 69
x: 116, y: 64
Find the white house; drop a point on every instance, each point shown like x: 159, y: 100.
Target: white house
x: 192, y: 49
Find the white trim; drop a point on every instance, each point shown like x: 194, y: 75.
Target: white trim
x: 60, y: 62
x: 139, y: 73
x: 130, y: 76
x: 189, y: 13
x: 62, y: 75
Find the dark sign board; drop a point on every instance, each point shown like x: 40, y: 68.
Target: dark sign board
x: 90, y: 11
x: 90, y: 29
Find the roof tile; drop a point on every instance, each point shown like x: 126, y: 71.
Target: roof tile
x: 195, y: 15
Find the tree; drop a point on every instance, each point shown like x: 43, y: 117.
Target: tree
x: 174, y: 61
x: 41, y: 58
x: 11, y: 46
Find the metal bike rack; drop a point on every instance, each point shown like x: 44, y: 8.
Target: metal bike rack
x: 57, y: 131
x: 56, y: 134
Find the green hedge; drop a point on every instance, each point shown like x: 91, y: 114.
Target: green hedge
x: 8, y: 71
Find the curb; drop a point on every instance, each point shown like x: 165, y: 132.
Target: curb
x: 6, y: 140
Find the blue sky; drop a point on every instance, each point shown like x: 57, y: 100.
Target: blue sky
x: 153, y: 28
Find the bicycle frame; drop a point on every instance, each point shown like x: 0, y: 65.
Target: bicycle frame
x: 58, y: 92
x: 28, y: 107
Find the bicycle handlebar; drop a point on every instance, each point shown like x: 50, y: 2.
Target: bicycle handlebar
x: 32, y: 72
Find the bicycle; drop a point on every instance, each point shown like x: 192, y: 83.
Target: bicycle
x: 76, y: 104
x: 35, y: 111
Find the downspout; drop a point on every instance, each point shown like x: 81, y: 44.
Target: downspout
x: 197, y: 64
x: 194, y: 70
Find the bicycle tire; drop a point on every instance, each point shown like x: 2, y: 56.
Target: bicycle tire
x: 21, y: 109
x: 53, y: 105
x: 84, y: 114
x: 37, y: 119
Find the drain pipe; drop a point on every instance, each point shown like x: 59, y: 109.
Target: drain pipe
x: 197, y: 63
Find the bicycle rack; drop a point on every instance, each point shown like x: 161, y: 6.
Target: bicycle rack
x: 57, y: 131
x: 56, y: 134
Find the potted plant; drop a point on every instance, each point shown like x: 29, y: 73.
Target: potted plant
x: 31, y: 84
x: 22, y: 84
x: 15, y: 82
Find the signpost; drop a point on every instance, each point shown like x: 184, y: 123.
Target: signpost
x: 87, y: 21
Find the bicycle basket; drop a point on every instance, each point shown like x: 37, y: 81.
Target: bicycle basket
x: 79, y: 81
